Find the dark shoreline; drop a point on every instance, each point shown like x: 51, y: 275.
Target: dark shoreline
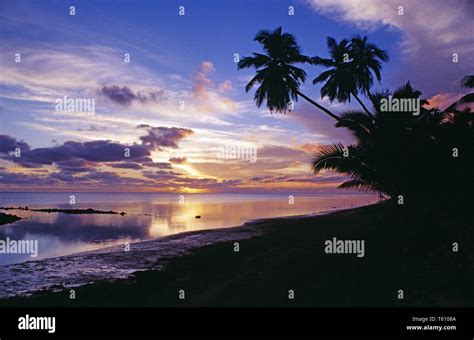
x: 412, y: 253
x: 67, y: 211
x: 7, y: 218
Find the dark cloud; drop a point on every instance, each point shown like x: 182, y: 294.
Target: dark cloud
x: 95, y: 151
x: 213, y: 184
x: 259, y: 178
x: 80, y: 156
x: 93, y: 128
x: 119, y: 95
x: 320, y: 179
x: 9, y: 144
x: 162, y: 165
x: 159, y: 137
x: 330, y: 178
x: 269, y: 179
x: 76, y: 165
x: 26, y: 181
x: 93, y: 179
x: 178, y: 160
x: 161, y: 174
x: 105, y: 177
x: 126, y: 165
x: 125, y: 96
x: 90, y: 179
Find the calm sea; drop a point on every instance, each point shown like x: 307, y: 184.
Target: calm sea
x: 148, y: 216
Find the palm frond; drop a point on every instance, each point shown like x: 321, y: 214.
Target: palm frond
x: 357, y: 184
x: 359, y: 123
x: 468, y: 81
x: 322, y: 61
x: 328, y: 157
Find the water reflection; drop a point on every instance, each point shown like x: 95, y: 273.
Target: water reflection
x: 148, y: 217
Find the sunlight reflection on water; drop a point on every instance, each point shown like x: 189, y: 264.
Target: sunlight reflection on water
x: 147, y: 216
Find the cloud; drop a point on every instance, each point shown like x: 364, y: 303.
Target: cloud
x: 161, y: 165
x: 159, y: 137
x: 436, y: 22
x: 20, y: 180
x: 9, y: 144
x: 209, y: 98
x: 269, y: 179
x: 161, y: 174
x: 126, y: 165
x: 310, y: 148
x: 178, y: 160
x: 226, y: 86
x: 259, y: 178
x: 95, y: 151
x: 201, y: 82
x: 207, y: 67
x: 270, y: 159
x: 74, y: 156
x: 330, y: 178
x: 76, y: 165
x: 125, y: 96
x: 431, y: 31
x: 280, y: 152
x: 80, y: 165
x: 443, y: 100
x: 53, y: 71
x: 50, y: 71
x: 120, y: 95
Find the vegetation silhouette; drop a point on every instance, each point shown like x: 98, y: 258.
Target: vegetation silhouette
x: 415, y: 159
x: 351, y: 64
x: 278, y: 78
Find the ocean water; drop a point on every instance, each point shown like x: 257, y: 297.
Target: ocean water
x: 78, y: 249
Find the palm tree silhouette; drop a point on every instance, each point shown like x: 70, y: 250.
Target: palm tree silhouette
x: 353, y: 66
x: 399, y: 153
x: 396, y: 153
x: 339, y: 82
x: 468, y: 81
x: 279, y: 80
x: 374, y: 162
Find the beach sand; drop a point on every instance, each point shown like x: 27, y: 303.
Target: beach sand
x: 405, y: 252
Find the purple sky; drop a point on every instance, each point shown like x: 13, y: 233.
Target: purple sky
x: 181, y: 99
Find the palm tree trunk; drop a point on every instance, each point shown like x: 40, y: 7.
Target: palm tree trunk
x: 363, y: 106
x: 322, y: 108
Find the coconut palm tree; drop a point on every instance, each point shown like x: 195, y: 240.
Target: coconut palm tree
x: 378, y: 157
x: 426, y: 158
x: 340, y: 83
x: 367, y: 59
x: 278, y: 79
x: 353, y: 65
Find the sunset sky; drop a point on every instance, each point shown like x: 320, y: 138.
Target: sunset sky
x: 181, y: 97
